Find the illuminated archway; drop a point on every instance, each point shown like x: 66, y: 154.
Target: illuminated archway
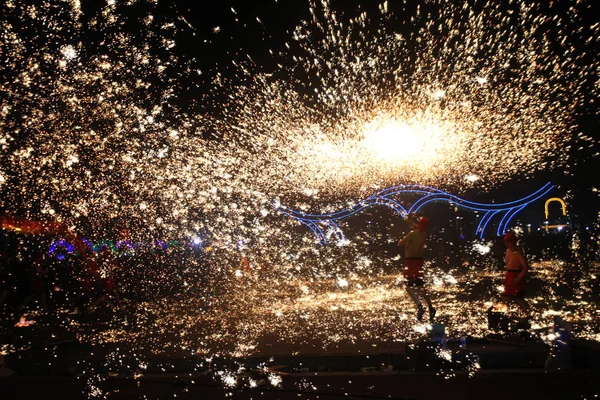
x: 562, y: 203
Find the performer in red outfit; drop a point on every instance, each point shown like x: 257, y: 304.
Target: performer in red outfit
x: 413, y: 244
x: 104, y: 274
x: 516, y: 274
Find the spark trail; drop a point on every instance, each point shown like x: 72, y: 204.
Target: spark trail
x: 91, y: 130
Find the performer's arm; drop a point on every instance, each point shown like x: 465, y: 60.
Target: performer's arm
x: 405, y: 240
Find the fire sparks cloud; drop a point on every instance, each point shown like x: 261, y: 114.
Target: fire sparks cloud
x: 110, y: 123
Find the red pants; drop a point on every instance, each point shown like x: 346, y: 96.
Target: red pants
x: 413, y: 268
x: 512, y: 289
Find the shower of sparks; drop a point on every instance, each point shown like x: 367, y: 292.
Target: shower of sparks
x: 91, y: 130
x: 93, y: 133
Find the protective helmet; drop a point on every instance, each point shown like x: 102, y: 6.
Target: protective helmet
x: 510, y: 237
x: 423, y: 224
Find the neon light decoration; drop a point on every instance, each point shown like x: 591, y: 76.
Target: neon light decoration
x: 317, y: 222
x: 562, y: 203
x: 114, y: 247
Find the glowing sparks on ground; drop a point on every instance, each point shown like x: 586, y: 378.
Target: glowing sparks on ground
x: 264, y: 313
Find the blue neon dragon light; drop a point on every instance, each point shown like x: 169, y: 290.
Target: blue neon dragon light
x: 318, y: 222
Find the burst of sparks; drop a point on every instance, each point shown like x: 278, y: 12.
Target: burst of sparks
x: 83, y: 122
x: 93, y: 134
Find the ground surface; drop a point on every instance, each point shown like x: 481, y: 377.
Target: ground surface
x: 319, y: 332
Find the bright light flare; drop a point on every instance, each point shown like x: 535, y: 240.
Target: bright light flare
x: 471, y: 178
x: 395, y: 140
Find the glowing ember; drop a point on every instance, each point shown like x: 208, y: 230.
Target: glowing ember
x: 23, y: 322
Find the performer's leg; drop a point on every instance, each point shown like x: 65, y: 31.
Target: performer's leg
x: 414, y: 295
x: 117, y: 297
x: 523, y: 306
x: 43, y: 301
x: 520, y: 302
x: 424, y: 294
x: 26, y: 302
x: 412, y: 292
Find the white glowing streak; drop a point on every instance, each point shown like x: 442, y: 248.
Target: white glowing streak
x: 396, y: 140
x: 439, y: 94
x: 68, y: 52
x: 229, y: 380
x: 471, y: 178
x: 391, y: 139
x: 445, y: 354
x: 341, y: 282
x: 481, y: 248
x: 420, y: 328
x: 275, y: 380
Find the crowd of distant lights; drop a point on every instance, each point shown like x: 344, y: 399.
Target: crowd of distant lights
x: 59, y: 246
x: 384, y: 197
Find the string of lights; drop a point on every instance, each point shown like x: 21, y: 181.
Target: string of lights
x: 385, y: 197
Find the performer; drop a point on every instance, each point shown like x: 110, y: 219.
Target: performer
x: 516, y: 274
x: 104, y: 276
x: 413, y: 244
x: 38, y: 276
